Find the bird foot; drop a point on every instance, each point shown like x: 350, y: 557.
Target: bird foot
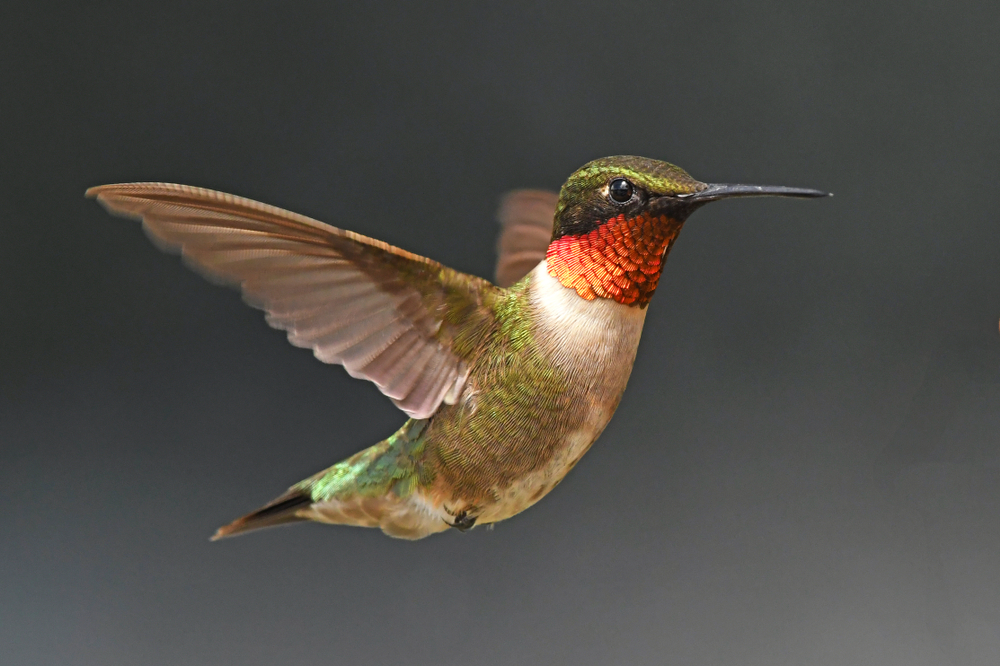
x: 463, y: 522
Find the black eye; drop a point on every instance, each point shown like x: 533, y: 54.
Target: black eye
x: 620, y: 190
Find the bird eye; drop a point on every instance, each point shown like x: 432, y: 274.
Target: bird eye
x: 620, y: 190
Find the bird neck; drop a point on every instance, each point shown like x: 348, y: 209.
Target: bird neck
x: 621, y: 259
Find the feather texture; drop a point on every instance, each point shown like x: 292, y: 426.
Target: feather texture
x: 525, y: 218
x: 389, y: 316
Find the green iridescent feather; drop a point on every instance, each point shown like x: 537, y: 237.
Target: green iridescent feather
x: 465, y: 442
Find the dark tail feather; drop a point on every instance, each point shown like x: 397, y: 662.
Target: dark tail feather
x: 281, y: 511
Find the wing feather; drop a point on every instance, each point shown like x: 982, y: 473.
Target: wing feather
x: 526, y: 218
x: 385, y: 314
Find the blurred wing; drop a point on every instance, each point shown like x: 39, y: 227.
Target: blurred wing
x: 525, y: 232
x: 384, y: 314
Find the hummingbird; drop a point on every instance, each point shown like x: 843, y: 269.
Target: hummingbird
x: 506, y: 385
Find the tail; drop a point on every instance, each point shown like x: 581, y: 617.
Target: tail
x: 377, y: 487
x: 281, y: 511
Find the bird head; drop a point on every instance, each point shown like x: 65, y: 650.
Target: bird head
x: 617, y: 218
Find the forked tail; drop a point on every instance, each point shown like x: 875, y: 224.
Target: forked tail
x: 381, y: 486
x: 281, y: 511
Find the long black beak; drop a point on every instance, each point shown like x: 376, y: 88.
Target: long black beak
x: 722, y: 191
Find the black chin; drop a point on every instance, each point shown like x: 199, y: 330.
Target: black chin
x: 673, y: 207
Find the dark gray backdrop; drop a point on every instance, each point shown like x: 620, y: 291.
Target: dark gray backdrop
x: 803, y: 471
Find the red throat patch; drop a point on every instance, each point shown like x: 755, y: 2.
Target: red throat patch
x: 622, y: 259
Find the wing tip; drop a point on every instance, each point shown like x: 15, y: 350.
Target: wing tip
x: 102, y: 192
x: 99, y: 191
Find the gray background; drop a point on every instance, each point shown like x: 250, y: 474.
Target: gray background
x: 803, y: 471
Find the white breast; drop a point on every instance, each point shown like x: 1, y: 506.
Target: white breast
x: 594, y: 344
x: 581, y: 333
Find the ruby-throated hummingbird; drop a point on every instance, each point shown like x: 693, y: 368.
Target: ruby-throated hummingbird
x: 506, y: 386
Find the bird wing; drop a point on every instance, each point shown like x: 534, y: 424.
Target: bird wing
x: 525, y: 232
x: 404, y: 322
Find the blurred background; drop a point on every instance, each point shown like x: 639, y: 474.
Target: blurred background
x: 804, y: 469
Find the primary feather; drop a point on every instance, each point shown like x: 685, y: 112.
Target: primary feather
x: 385, y: 314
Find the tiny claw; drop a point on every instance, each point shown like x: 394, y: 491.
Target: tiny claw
x: 463, y: 521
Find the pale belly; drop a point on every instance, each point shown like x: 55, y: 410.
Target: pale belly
x: 593, y: 343
x: 529, y: 489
